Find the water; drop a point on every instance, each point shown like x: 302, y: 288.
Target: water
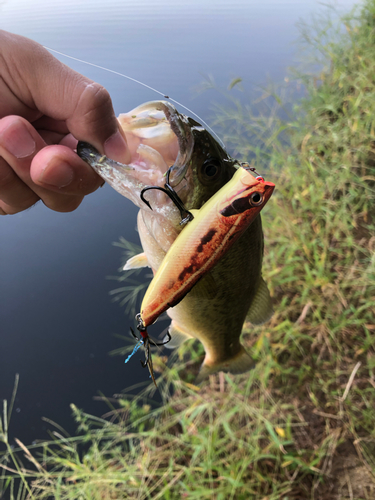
x: 57, y: 322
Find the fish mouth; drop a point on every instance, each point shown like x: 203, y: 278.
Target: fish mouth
x: 159, y: 139
x: 158, y: 124
x: 166, y: 147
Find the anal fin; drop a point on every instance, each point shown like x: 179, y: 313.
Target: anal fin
x: 240, y: 363
x: 178, y: 336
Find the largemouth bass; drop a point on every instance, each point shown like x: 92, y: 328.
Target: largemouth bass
x: 214, y: 310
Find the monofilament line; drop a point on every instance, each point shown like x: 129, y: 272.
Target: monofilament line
x: 140, y: 83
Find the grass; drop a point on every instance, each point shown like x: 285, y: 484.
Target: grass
x: 302, y: 424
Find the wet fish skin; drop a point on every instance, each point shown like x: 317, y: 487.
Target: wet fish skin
x: 207, y: 157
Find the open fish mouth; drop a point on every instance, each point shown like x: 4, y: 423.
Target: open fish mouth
x: 159, y: 125
x: 159, y: 140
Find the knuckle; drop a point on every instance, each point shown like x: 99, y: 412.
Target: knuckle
x: 99, y: 94
x: 97, y: 99
x: 94, y: 111
x: 15, y: 196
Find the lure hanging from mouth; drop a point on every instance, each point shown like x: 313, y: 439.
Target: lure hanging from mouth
x: 201, y: 244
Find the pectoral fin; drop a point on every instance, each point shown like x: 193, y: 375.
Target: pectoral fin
x: 136, y: 262
x: 261, y: 308
x: 178, y: 336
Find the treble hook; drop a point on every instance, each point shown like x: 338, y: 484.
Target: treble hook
x: 147, y: 341
x: 186, y: 216
x: 246, y: 166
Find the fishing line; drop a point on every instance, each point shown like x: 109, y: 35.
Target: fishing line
x: 144, y: 85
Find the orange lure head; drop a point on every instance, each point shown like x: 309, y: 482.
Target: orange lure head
x: 248, y: 198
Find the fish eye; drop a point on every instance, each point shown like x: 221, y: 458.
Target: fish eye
x: 256, y: 199
x: 211, y: 168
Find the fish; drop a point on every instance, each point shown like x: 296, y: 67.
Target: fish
x: 162, y: 140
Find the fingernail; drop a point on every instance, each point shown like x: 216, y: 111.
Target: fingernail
x: 57, y: 174
x: 18, y: 141
x: 116, y: 148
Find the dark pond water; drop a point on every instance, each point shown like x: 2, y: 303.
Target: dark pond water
x: 57, y: 321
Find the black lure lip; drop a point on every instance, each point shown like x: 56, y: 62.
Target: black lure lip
x: 186, y: 216
x: 147, y: 341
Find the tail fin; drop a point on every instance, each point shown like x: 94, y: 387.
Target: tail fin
x: 240, y: 363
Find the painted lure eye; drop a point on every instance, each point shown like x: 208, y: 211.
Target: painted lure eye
x: 256, y: 199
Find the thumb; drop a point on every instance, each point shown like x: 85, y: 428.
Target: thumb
x: 55, y: 90
x: 91, y: 118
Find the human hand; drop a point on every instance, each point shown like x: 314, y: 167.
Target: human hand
x: 44, y: 108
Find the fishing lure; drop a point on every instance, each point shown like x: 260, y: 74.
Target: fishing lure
x: 186, y: 216
x: 200, y: 245
x: 204, y: 241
